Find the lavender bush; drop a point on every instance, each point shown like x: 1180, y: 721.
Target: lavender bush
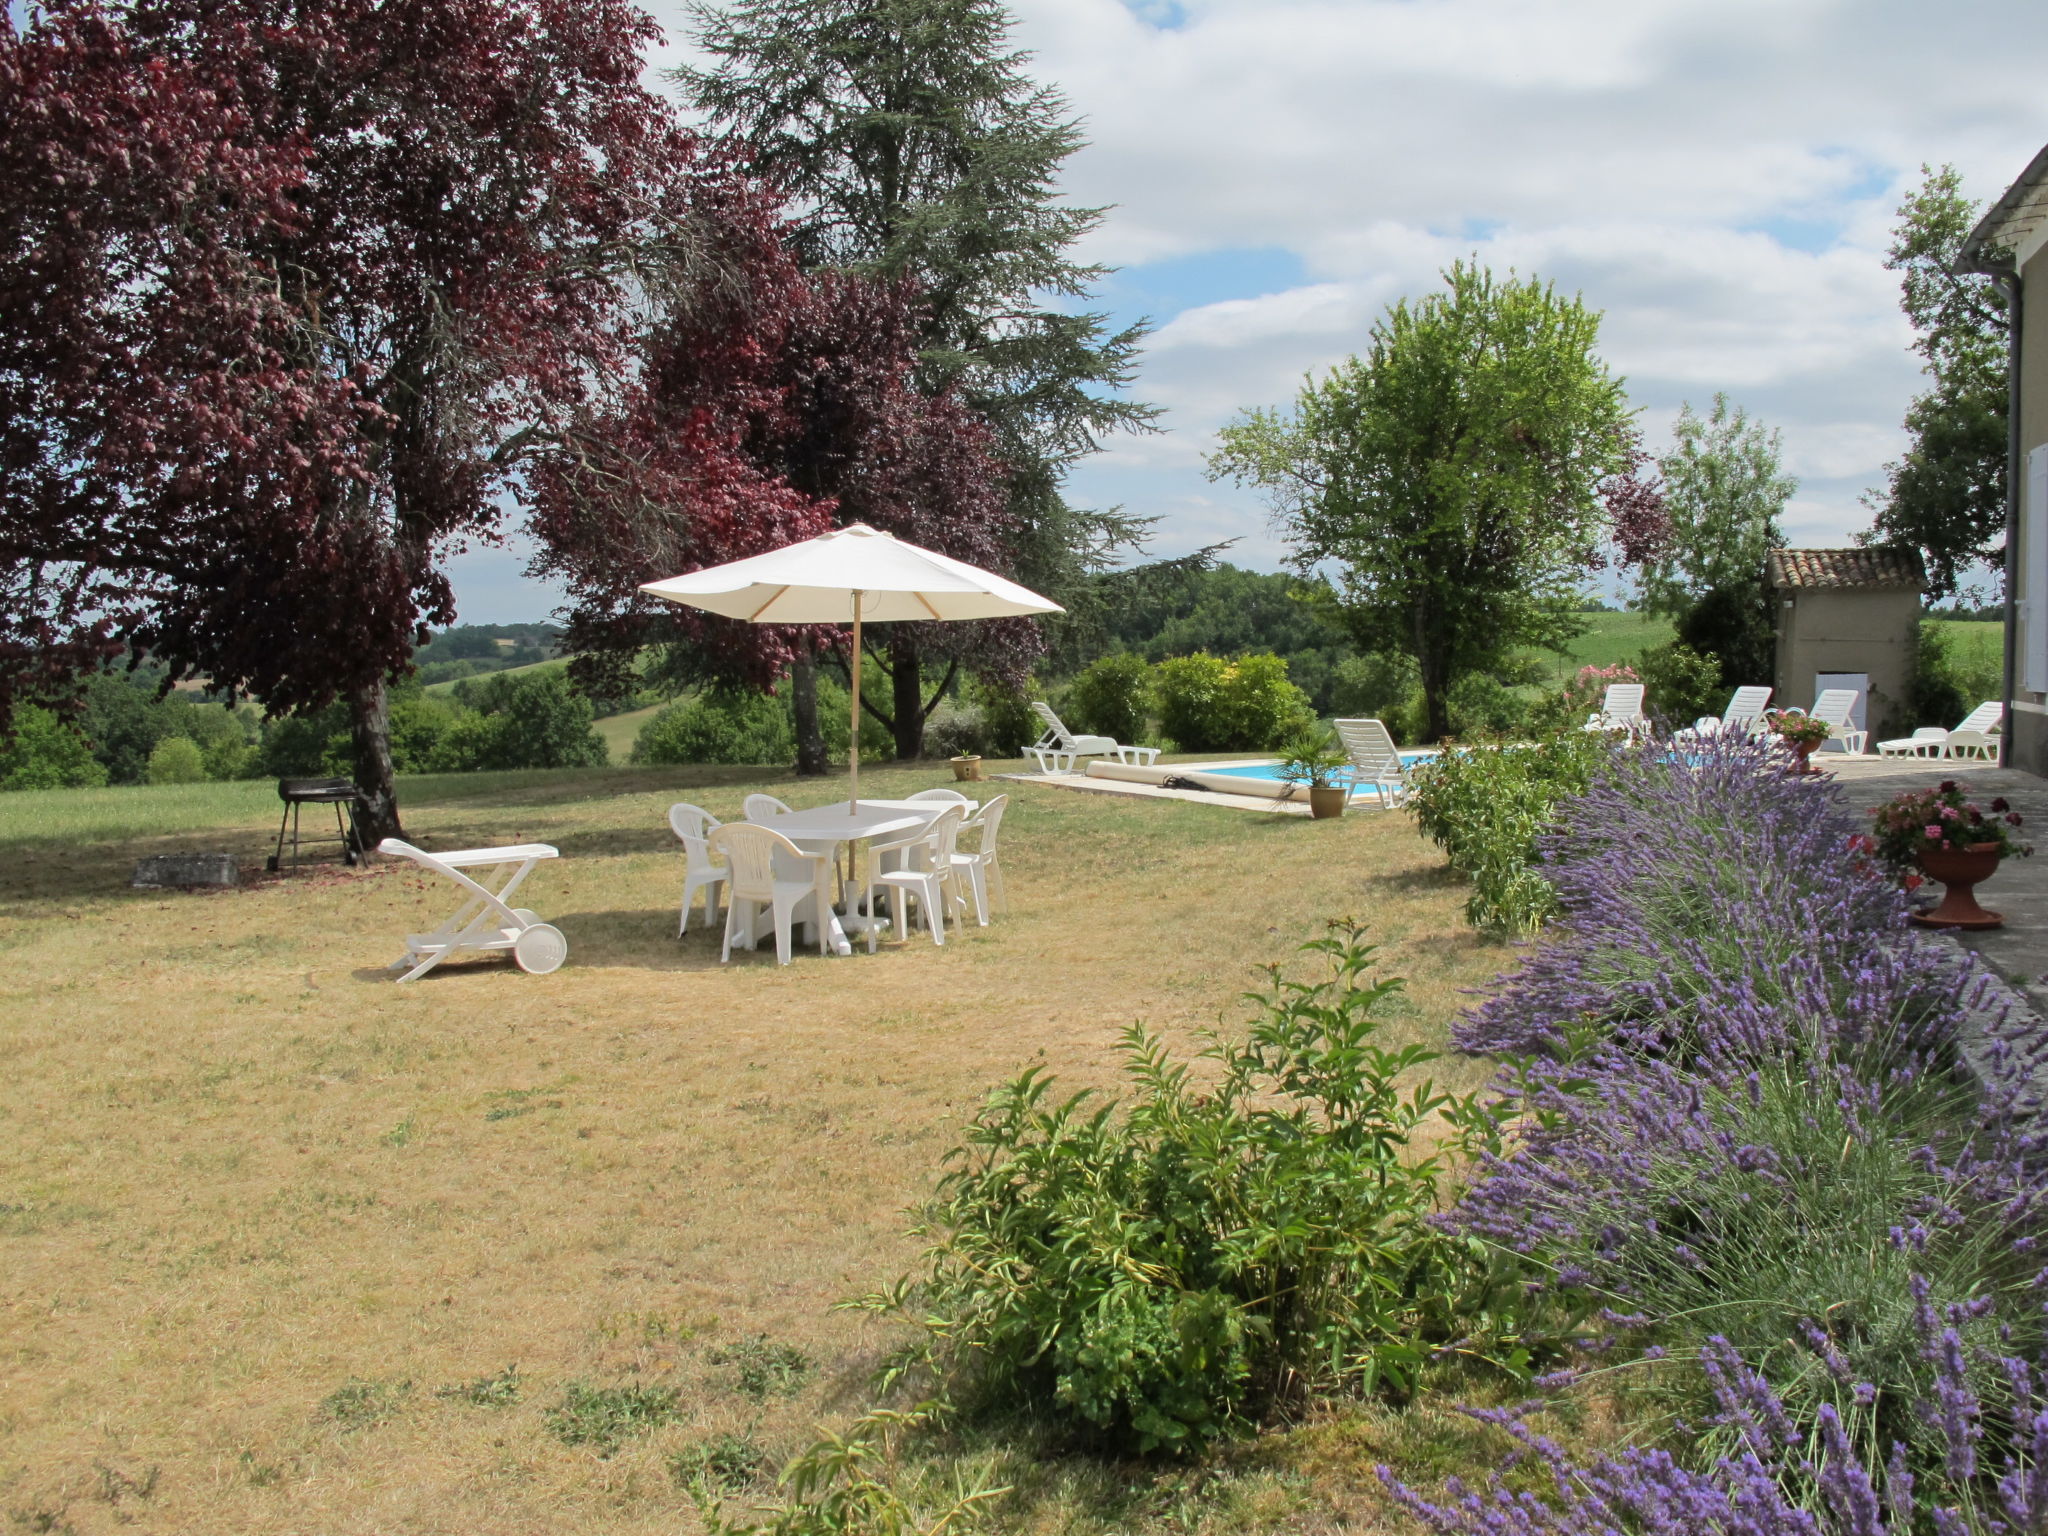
x: 1741, y: 1114
x: 1775, y: 1479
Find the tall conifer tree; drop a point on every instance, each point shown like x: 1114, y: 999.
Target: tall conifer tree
x: 913, y: 145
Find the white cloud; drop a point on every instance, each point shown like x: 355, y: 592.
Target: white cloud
x: 1718, y: 176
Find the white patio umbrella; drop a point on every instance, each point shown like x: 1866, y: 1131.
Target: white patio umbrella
x: 850, y: 574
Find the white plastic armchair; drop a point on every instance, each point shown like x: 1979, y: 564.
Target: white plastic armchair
x: 1620, y: 710
x: 941, y: 797
x: 1745, y: 708
x: 1375, y: 760
x: 924, y: 870
x: 701, y: 872
x: 762, y: 808
x: 1837, y: 707
x: 485, y: 920
x: 983, y: 869
x: 769, y: 872
x: 1976, y: 736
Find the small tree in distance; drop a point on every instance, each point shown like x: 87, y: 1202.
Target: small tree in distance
x: 1458, y: 479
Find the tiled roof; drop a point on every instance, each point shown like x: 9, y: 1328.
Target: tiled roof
x: 1846, y: 568
x: 2009, y: 221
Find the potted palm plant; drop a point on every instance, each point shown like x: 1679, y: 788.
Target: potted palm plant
x: 1949, y: 838
x: 1312, y: 760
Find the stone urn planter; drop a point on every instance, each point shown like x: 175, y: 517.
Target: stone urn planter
x: 1327, y: 800
x: 966, y: 769
x: 1960, y: 870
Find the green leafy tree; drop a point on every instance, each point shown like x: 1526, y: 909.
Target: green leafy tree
x: 43, y: 751
x: 1459, y: 478
x: 177, y: 760
x: 1946, y: 497
x: 914, y: 145
x: 1725, y: 490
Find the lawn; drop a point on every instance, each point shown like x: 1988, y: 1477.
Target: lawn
x: 289, y: 1248
x: 1609, y: 638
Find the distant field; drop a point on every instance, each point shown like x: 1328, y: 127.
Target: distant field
x: 556, y: 664
x: 620, y: 731
x: 1609, y: 638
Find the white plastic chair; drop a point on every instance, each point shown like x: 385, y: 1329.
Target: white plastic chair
x: 942, y: 796
x: 983, y: 869
x: 1620, y: 710
x: 931, y: 878
x: 1836, y: 707
x: 1976, y: 736
x: 1375, y: 760
x: 700, y: 871
x: 485, y: 920
x: 762, y: 865
x: 1744, y: 710
x: 1059, y: 750
x: 762, y: 808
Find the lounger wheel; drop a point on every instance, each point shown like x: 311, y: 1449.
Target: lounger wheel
x: 540, y: 949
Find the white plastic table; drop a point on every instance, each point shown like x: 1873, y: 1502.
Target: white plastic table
x: 826, y: 828
x: 485, y: 920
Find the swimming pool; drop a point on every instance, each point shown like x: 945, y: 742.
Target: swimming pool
x: 1271, y: 771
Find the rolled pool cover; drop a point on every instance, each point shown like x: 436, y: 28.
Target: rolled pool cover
x: 1217, y: 783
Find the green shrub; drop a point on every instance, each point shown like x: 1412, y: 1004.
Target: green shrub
x: 45, y: 751
x: 1007, y: 720
x: 723, y: 725
x: 1481, y: 706
x: 1679, y: 684
x: 1486, y: 806
x: 1112, y: 697
x: 1164, y: 1270
x: 833, y: 722
x: 176, y: 760
x: 1382, y: 685
x: 297, y: 746
x: 956, y: 730
x: 548, y: 725
x: 1208, y: 704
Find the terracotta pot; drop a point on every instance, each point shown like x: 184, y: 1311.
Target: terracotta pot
x: 1802, y: 754
x: 966, y: 769
x: 1960, y: 870
x: 1327, y: 800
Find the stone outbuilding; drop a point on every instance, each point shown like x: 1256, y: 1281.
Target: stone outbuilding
x: 1847, y: 618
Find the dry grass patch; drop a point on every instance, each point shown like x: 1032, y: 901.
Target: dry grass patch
x: 284, y: 1247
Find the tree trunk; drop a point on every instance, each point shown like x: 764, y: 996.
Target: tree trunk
x: 803, y: 700
x: 369, y: 722
x: 906, y: 687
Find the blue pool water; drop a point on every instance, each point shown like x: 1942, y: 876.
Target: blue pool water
x: 1272, y: 770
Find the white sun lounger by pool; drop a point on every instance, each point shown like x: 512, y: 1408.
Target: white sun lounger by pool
x: 484, y: 920
x: 1745, y: 709
x: 1837, y: 706
x: 1620, y: 710
x: 1973, y: 738
x: 1059, y: 750
x: 1375, y: 760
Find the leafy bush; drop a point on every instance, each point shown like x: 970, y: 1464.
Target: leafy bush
x: 547, y: 725
x: 1481, y: 705
x: 722, y: 725
x: 1946, y: 686
x: 176, y: 760
x: 1680, y: 685
x: 45, y: 751
x: 1113, y: 698
x: 1384, y: 686
x: 1208, y: 704
x: 1486, y: 807
x: 1006, y: 715
x: 1160, y: 1271
x: 956, y: 730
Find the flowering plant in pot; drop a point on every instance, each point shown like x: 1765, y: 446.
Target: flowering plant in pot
x: 1799, y: 731
x: 1311, y: 760
x: 1948, y: 837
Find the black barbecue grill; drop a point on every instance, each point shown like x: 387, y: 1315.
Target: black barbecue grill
x: 297, y: 794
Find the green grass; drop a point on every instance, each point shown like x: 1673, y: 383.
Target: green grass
x: 1609, y: 638
x: 620, y: 731
x: 555, y: 664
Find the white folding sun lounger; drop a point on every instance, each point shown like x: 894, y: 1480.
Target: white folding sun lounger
x: 1973, y: 738
x: 1745, y: 709
x: 1059, y: 750
x: 1375, y: 760
x: 1837, y: 706
x: 1620, y: 710
x: 484, y: 920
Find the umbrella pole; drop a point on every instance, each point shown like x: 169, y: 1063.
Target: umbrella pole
x: 853, y: 735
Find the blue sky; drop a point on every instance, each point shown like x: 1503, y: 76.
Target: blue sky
x: 1718, y: 176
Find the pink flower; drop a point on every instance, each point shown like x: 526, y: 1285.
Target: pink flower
x: 1934, y: 833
